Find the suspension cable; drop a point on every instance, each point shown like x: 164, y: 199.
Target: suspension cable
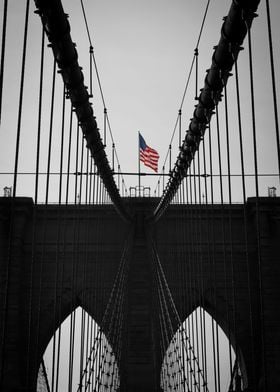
x: 57, y: 26
x: 275, y: 105
x: 258, y: 224
x: 3, y: 46
x: 21, y: 96
x: 223, y: 59
x: 177, y: 320
x: 105, y: 107
x: 252, y: 344
x: 193, y: 62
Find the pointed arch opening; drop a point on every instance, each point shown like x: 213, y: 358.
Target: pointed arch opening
x: 79, y: 357
x: 200, y: 357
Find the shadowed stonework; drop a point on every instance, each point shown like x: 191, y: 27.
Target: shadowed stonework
x: 69, y: 244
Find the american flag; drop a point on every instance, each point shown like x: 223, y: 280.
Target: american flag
x: 148, y: 155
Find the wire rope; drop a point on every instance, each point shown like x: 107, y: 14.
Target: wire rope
x: 105, y: 108
x: 193, y: 62
x: 22, y: 78
x: 162, y: 281
x: 232, y: 301
x: 3, y: 47
x: 259, y: 250
x: 246, y: 250
x: 50, y: 132
x: 275, y: 105
x: 35, y: 223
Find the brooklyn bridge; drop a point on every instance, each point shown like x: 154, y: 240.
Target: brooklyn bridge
x: 106, y: 283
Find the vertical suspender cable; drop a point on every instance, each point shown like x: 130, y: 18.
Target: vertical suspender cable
x: 223, y: 242
x: 195, y: 275
x: 71, y: 350
x: 73, y: 300
x: 257, y: 208
x: 21, y: 96
x: 43, y: 253
x: 181, y: 273
x: 219, y: 155
x: 213, y: 256
x: 60, y: 238
x: 81, y: 170
x: 82, y: 341
x: 192, y: 270
x: 230, y: 229
x: 208, y: 256
x: 91, y: 174
x: 245, y: 221
x: 200, y: 348
x: 62, y: 147
x: 39, y: 116
x: 69, y: 155
x: 56, y: 294
x: 3, y: 46
x: 87, y: 178
x: 34, y: 217
x: 85, y: 263
x: 50, y: 132
x: 76, y: 260
x: 72, y: 315
x: 49, y: 156
x: 201, y: 286
x: 190, y: 256
x: 94, y: 184
x: 77, y: 165
x: 253, y: 114
x: 273, y: 83
x: 34, y: 222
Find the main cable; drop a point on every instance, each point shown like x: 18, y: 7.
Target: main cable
x: 57, y: 29
x: 234, y: 30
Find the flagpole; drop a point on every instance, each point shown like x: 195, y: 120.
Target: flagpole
x: 139, y: 175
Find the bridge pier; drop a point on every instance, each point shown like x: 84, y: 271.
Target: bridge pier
x: 267, y: 222
x: 16, y: 361
x: 256, y: 283
x: 140, y: 368
x: 37, y: 257
x: 231, y: 272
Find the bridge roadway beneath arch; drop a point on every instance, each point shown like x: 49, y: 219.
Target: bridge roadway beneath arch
x: 61, y: 257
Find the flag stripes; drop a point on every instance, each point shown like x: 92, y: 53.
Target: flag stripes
x: 148, y: 155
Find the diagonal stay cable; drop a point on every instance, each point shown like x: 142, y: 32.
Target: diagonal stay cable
x: 57, y: 28
x: 99, y: 81
x: 109, y: 314
x: 233, y: 32
x: 186, y: 345
x: 178, y: 118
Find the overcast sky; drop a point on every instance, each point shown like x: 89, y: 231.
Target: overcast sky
x: 143, y: 52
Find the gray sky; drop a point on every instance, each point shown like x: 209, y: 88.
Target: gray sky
x: 144, y: 52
